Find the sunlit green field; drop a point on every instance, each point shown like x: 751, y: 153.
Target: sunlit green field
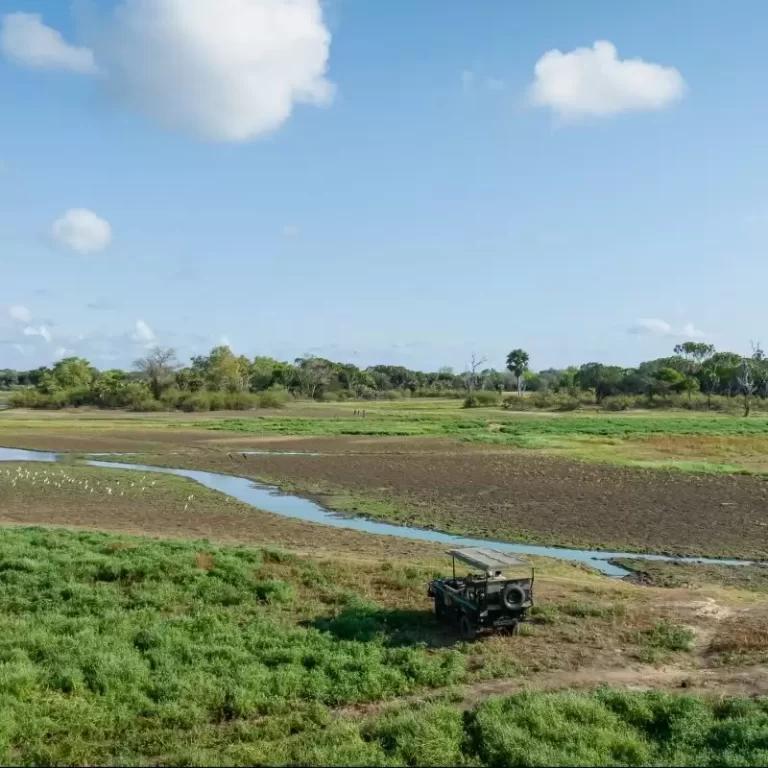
x: 683, y: 440
x: 125, y: 651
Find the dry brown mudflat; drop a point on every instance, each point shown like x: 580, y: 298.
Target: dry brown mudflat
x: 463, y: 488
x: 164, y: 439
x: 162, y: 511
x: 521, y: 496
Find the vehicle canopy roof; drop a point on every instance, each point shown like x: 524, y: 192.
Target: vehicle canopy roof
x: 488, y: 560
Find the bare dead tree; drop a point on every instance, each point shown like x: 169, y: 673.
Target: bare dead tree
x: 470, y: 377
x: 158, y: 369
x: 746, y: 376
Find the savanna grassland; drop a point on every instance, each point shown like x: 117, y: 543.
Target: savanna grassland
x: 562, y: 479
x: 120, y: 650
x: 146, y: 619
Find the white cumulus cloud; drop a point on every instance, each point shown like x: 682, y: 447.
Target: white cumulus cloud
x: 25, y: 39
x: 222, y: 70
x: 690, y: 331
x: 142, y: 333
x: 594, y: 81
x: 42, y: 331
x: 82, y: 231
x: 657, y: 327
x: 651, y: 327
x: 20, y: 313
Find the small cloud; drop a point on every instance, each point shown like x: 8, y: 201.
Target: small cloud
x: 62, y: 352
x: 657, y: 327
x: 691, y: 332
x: 42, y: 331
x: 224, y: 342
x: 594, y: 81
x: 100, y: 306
x: 27, y: 41
x: 651, y: 327
x: 20, y: 348
x: 82, y: 231
x: 290, y: 230
x: 143, y: 334
x: 20, y: 313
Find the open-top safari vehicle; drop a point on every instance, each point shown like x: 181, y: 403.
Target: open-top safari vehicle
x: 495, y: 595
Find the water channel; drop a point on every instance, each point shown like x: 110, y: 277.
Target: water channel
x: 271, y: 499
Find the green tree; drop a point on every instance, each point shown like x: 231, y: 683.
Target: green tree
x: 568, y: 381
x: 263, y: 370
x: 604, y: 380
x: 517, y: 364
x: 73, y: 373
x: 109, y: 388
x: 695, y: 353
x: 669, y: 380
x: 314, y: 374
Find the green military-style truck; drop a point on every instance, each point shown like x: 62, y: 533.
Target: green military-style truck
x: 489, y: 598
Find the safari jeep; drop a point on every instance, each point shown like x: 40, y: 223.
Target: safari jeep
x: 486, y: 599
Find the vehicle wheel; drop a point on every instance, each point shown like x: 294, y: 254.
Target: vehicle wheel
x: 439, y: 607
x: 513, y: 597
x: 466, y: 630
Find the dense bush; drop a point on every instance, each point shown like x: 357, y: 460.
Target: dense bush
x: 482, y: 399
x: 555, y: 401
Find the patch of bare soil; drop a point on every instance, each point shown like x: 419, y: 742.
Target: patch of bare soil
x: 216, y: 520
x: 524, y: 496
x: 161, y: 440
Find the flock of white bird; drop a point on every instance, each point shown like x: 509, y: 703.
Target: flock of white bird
x: 61, y: 479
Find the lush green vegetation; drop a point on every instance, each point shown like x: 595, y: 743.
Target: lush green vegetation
x: 223, y: 380
x: 124, y: 651
x: 133, y: 651
x: 520, y: 431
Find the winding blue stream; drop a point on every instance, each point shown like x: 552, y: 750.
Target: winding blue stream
x: 271, y: 499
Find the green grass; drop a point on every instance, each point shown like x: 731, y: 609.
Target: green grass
x: 522, y: 430
x: 673, y: 575
x: 132, y: 652
x: 662, y: 638
x: 125, y: 651
x: 382, y: 426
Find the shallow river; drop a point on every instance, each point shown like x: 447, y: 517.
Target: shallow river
x: 272, y: 499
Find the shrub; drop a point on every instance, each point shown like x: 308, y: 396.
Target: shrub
x: 240, y: 401
x: 568, y: 403
x: 516, y: 403
x: 28, y: 398
x: 272, y: 398
x: 617, y: 403
x: 543, y: 400
x: 147, y: 405
x: 664, y: 635
x: 481, y: 399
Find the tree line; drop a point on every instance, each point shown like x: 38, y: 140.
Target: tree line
x: 223, y: 379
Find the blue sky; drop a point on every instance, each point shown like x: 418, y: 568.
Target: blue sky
x: 386, y: 183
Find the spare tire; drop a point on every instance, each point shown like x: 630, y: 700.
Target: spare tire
x: 513, y: 597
